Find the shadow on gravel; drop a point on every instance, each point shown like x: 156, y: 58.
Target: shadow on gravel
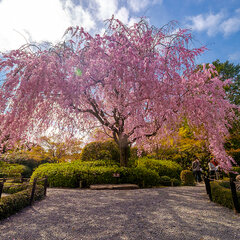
x: 159, y: 213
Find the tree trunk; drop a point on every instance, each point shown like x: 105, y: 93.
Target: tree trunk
x: 124, y: 153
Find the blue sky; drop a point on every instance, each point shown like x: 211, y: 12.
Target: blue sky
x: 214, y: 23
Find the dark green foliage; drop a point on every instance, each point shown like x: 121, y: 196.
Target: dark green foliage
x: 106, y: 151
x: 222, y: 195
x: 231, y: 71
x: 13, y: 170
x: 176, y: 182
x: 226, y: 71
x: 98, y: 163
x: 12, y: 204
x: 59, y: 174
x: 165, y: 181
x: 70, y: 174
x: 162, y: 167
x: 225, y: 184
x: 14, y: 187
x: 236, y: 169
x: 187, y: 178
x: 24, y: 159
x: 132, y: 161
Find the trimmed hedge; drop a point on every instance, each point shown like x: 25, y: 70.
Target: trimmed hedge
x: 162, y: 167
x: 13, y: 170
x: 12, y: 188
x: 70, y: 174
x: 187, y: 178
x: 12, y: 204
x: 222, y: 195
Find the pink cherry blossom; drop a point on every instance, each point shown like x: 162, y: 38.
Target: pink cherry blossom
x: 136, y: 82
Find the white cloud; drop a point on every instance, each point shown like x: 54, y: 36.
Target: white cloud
x: 78, y: 16
x: 216, y: 23
x: 23, y: 21
x: 231, y: 25
x: 106, y: 8
x: 207, y: 23
x: 138, y: 5
x: 123, y: 15
x: 38, y: 20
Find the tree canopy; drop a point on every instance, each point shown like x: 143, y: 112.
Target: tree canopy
x: 231, y: 71
x: 135, y: 82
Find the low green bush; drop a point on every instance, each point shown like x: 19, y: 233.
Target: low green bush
x: 222, y: 195
x: 12, y: 170
x: 225, y: 184
x: 165, y: 181
x: 14, y: 187
x: 15, y: 202
x: 162, y: 167
x: 176, y: 182
x: 70, y: 174
x: 187, y: 178
x: 98, y: 163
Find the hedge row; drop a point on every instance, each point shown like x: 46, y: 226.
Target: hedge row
x: 13, y: 170
x: 222, y: 195
x: 70, y: 174
x: 12, y: 188
x: 15, y: 202
x: 162, y: 167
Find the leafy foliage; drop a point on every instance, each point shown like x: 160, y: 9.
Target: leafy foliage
x: 162, y: 167
x: 183, y: 147
x: 15, y: 202
x: 165, y: 181
x: 107, y: 151
x: 222, y: 195
x: 13, y: 170
x: 231, y: 71
x: 57, y: 150
x: 69, y: 175
x: 187, y: 178
x: 12, y: 188
x: 228, y: 70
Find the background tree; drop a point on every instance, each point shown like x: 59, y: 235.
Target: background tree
x: 231, y: 71
x: 60, y: 150
x: 136, y: 82
x: 183, y: 147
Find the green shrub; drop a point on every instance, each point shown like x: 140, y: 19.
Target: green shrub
x: 24, y: 159
x: 59, y: 174
x: 162, y: 167
x: 165, y: 181
x: 222, y: 195
x: 225, y: 184
x: 187, y: 178
x: 97, y: 163
x: 107, y: 150
x: 12, y: 204
x: 176, y: 182
x: 12, y: 170
x: 14, y: 187
x: 70, y: 174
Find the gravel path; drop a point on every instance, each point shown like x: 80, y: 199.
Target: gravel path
x: 179, y: 213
